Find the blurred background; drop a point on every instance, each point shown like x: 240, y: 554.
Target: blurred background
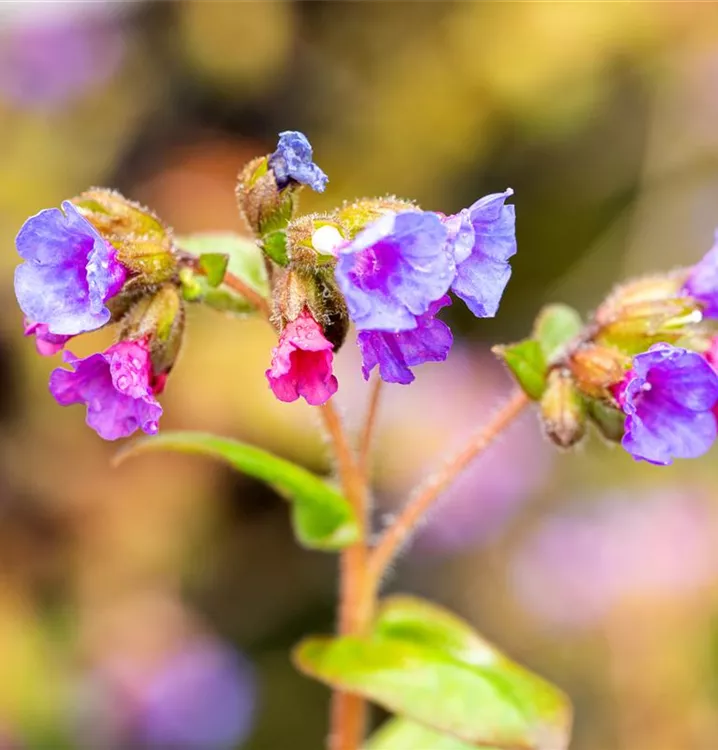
x: 153, y: 606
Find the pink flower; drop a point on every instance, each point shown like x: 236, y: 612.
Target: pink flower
x: 302, y: 363
x: 116, y: 386
x: 46, y: 343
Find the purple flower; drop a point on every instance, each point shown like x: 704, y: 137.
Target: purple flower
x: 46, y: 343
x: 116, y: 387
x: 47, y: 62
x: 580, y: 564
x: 394, y: 269
x: 668, y: 397
x: 293, y: 161
x: 702, y: 283
x: 395, y: 353
x: 484, y: 238
x: 69, y: 273
x: 201, y: 700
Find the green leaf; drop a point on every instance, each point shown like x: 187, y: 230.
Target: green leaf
x: 401, y: 734
x: 214, y: 266
x: 611, y: 422
x: 432, y: 667
x: 555, y: 327
x: 275, y: 246
x: 322, y: 517
x: 527, y: 363
x: 245, y: 257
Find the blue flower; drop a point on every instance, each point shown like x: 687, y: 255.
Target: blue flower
x: 394, y: 269
x: 69, y: 272
x: 395, y: 353
x: 293, y: 161
x: 702, y: 282
x: 484, y: 238
x: 668, y: 397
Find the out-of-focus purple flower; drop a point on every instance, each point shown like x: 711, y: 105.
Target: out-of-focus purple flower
x: 668, y: 397
x: 202, y: 699
x: 46, y: 343
x: 302, y: 363
x: 394, y: 269
x: 293, y: 161
x: 702, y: 282
x: 484, y: 238
x: 577, y: 566
x: 116, y: 387
x: 69, y: 272
x: 395, y: 353
x: 47, y: 61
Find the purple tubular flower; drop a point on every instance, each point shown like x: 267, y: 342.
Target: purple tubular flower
x: 293, y: 161
x: 115, y: 387
x: 394, y: 269
x: 484, y: 238
x: 395, y: 353
x: 668, y: 397
x: 702, y: 283
x: 69, y: 273
x: 46, y: 343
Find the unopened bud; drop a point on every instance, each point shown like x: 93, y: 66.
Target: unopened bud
x: 596, y: 368
x: 265, y: 207
x: 312, y: 240
x: 159, y: 319
x: 637, y: 292
x: 563, y: 410
x: 315, y: 289
x: 639, y: 325
x: 143, y: 243
x: 356, y: 215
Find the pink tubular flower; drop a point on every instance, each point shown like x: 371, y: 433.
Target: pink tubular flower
x: 302, y: 363
x: 46, y: 343
x: 115, y: 385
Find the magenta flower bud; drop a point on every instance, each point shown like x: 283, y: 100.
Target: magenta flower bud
x: 302, y: 363
x: 46, y: 343
x: 115, y: 386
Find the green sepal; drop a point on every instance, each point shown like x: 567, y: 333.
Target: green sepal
x: 214, y: 266
x: 428, y: 665
x: 274, y: 245
x: 610, y: 421
x: 322, y: 517
x: 527, y: 362
x: 556, y: 326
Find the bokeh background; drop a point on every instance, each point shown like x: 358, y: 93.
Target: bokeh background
x: 153, y: 606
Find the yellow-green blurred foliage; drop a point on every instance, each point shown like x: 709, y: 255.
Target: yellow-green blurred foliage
x: 601, y: 116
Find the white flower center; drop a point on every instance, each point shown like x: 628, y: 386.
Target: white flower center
x: 327, y: 239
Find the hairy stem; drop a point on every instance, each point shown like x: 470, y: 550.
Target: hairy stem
x: 407, y: 521
x: 348, y: 719
x: 251, y: 295
x: 367, y: 433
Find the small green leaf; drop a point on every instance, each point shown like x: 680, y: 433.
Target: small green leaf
x: 610, y: 422
x: 555, y: 327
x: 275, y: 246
x: 214, y: 266
x: 402, y: 734
x: 322, y: 517
x: 527, y: 363
x: 245, y: 257
x: 428, y: 665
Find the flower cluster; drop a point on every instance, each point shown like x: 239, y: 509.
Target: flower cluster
x: 75, y: 279
x: 643, y: 369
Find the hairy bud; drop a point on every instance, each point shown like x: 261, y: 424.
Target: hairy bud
x: 563, y: 410
x: 596, y: 368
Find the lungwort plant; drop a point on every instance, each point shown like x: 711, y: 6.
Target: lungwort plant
x: 640, y: 369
